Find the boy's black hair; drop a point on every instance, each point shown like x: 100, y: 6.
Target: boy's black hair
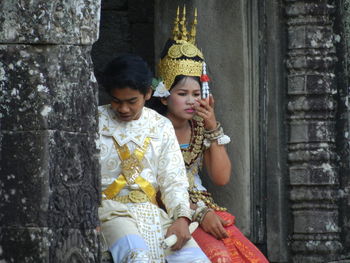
x: 127, y: 70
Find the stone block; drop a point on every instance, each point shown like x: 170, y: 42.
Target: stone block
x: 307, y: 104
x: 42, y: 245
x: 312, y: 131
x: 27, y: 245
x: 308, y: 221
x: 314, y: 156
x: 324, y: 174
x: 308, y: 84
x: 316, y: 251
x: 47, y: 87
x: 75, y: 245
x: 50, y: 22
x: 49, y: 179
x: 310, y: 36
x: 311, y: 62
x: 326, y: 196
x: 309, y: 8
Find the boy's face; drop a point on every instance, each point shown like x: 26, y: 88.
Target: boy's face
x: 127, y: 103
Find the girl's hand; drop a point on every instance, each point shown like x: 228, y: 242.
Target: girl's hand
x: 205, y: 109
x: 214, y: 224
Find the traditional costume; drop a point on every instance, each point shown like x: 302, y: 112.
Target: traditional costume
x: 139, y: 158
x: 182, y: 57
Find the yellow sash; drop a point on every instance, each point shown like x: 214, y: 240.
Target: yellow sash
x: 131, y: 170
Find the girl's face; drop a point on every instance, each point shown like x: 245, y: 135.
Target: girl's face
x: 182, y: 99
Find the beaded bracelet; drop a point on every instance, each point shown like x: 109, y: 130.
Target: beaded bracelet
x: 214, y: 135
x: 218, y: 125
x: 200, y: 213
x: 204, y: 214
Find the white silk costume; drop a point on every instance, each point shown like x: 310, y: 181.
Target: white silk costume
x: 144, y: 224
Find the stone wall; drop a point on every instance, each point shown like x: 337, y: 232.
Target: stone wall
x: 49, y: 184
x: 126, y: 27
x: 342, y: 37
x: 312, y: 154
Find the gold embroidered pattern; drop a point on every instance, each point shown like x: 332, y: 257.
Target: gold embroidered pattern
x: 196, y: 147
x: 134, y: 196
x: 193, y: 160
x: 131, y: 170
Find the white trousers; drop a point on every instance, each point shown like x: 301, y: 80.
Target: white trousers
x: 133, y: 233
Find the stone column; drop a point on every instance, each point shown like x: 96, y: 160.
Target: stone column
x: 342, y: 27
x: 49, y: 184
x: 313, y: 170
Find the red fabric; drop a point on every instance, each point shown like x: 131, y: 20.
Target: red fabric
x: 205, y: 78
x: 234, y: 249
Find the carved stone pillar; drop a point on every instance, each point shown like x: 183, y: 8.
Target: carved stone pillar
x: 342, y: 27
x: 49, y: 184
x: 313, y: 170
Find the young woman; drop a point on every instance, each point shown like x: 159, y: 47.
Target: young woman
x: 202, y: 140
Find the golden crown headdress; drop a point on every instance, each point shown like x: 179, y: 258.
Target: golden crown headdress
x: 183, y: 57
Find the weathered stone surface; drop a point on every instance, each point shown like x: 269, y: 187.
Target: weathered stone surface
x: 75, y: 245
x: 42, y: 245
x: 323, y: 174
x: 49, y: 180
x: 324, y: 104
x: 312, y: 131
x: 43, y: 171
x: 310, y: 35
x: 320, y: 7
x: 27, y: 245
x: 305, y: 61
x: 49, y: 22
x: 316, y: 250
x: 312, y: 153
x: 306, y: 194
x: 343, y: 125
x: 306, y: 83
x: 47, y: 87
x: 315, y: 221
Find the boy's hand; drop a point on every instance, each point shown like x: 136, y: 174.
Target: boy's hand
x: 180, y: 229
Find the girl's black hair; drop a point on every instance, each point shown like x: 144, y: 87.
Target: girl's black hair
x: 127, y: 70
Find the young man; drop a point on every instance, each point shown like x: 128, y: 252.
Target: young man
x: 140, y: 156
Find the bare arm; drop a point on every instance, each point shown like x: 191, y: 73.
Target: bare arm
x: 217, y: 164
x: 216, y: 159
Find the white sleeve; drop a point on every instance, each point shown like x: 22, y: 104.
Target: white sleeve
x: 172, y: 178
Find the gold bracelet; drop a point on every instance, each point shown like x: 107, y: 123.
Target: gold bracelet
x: 218, y: 125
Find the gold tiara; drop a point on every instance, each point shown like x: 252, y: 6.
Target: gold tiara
x: 179, y: 59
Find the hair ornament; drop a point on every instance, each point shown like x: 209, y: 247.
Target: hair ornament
x: 161, y: 91
x: 181, y: 55
x: 205, y: 85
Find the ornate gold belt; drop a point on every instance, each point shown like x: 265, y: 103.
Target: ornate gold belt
x: 204, y: 196
x: 134, y: 196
